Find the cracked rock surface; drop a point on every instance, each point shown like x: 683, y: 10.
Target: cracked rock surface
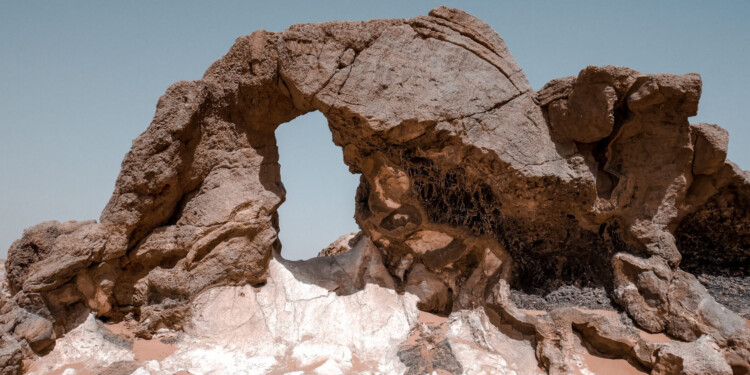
x: 593, y: 202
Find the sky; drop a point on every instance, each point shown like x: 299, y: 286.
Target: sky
x: 79, y: 80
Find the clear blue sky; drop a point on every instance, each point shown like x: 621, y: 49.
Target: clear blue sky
x: 80, y: 80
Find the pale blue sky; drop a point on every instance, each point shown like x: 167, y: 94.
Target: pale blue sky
x: 79, y: 80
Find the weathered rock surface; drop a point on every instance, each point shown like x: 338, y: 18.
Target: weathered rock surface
x: 472, y: 186
x: 295, y: 324
x: 342, y: 244
x: 700, y: 357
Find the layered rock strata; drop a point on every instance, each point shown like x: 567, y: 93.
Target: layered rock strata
x: 472, y: 185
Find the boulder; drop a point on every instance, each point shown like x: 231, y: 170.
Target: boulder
x: 696, y: 358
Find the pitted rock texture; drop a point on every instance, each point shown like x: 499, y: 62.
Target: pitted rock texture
x: 472, y: 185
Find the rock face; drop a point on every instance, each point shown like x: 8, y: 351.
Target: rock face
x: 472, y: 186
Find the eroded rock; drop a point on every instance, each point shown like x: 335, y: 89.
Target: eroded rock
x: 342, y: 244
x: 699, y: 357
x: 711, y: 144
x: 298, y: 324
x: 472, y: 186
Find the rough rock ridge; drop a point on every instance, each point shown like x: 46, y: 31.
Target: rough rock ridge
x: 474, y: 188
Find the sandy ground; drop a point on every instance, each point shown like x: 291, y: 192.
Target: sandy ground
x: 143, y: 350
x: 653, y: 337
x: 606, y: 366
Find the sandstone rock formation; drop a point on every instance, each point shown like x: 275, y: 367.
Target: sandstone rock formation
x: 474, y: 188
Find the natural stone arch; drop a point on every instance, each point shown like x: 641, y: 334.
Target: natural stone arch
x: 204, y: 178
x: 308, y: 67
x: 469, y: 178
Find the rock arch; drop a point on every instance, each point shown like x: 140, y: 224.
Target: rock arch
x: 468, y: 176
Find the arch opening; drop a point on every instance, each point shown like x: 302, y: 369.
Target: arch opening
x: 320, y: 190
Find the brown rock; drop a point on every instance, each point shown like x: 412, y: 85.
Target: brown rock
x: 470, y: 182
x: 433, y: 294
x: 582, y: 109
x: 714, y: 238
x: 346, y: 272
x: 695, y: 358
x: 11, y: 357
x: 711, y: 142
x: 562, y: 334
x: 37, y: 332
